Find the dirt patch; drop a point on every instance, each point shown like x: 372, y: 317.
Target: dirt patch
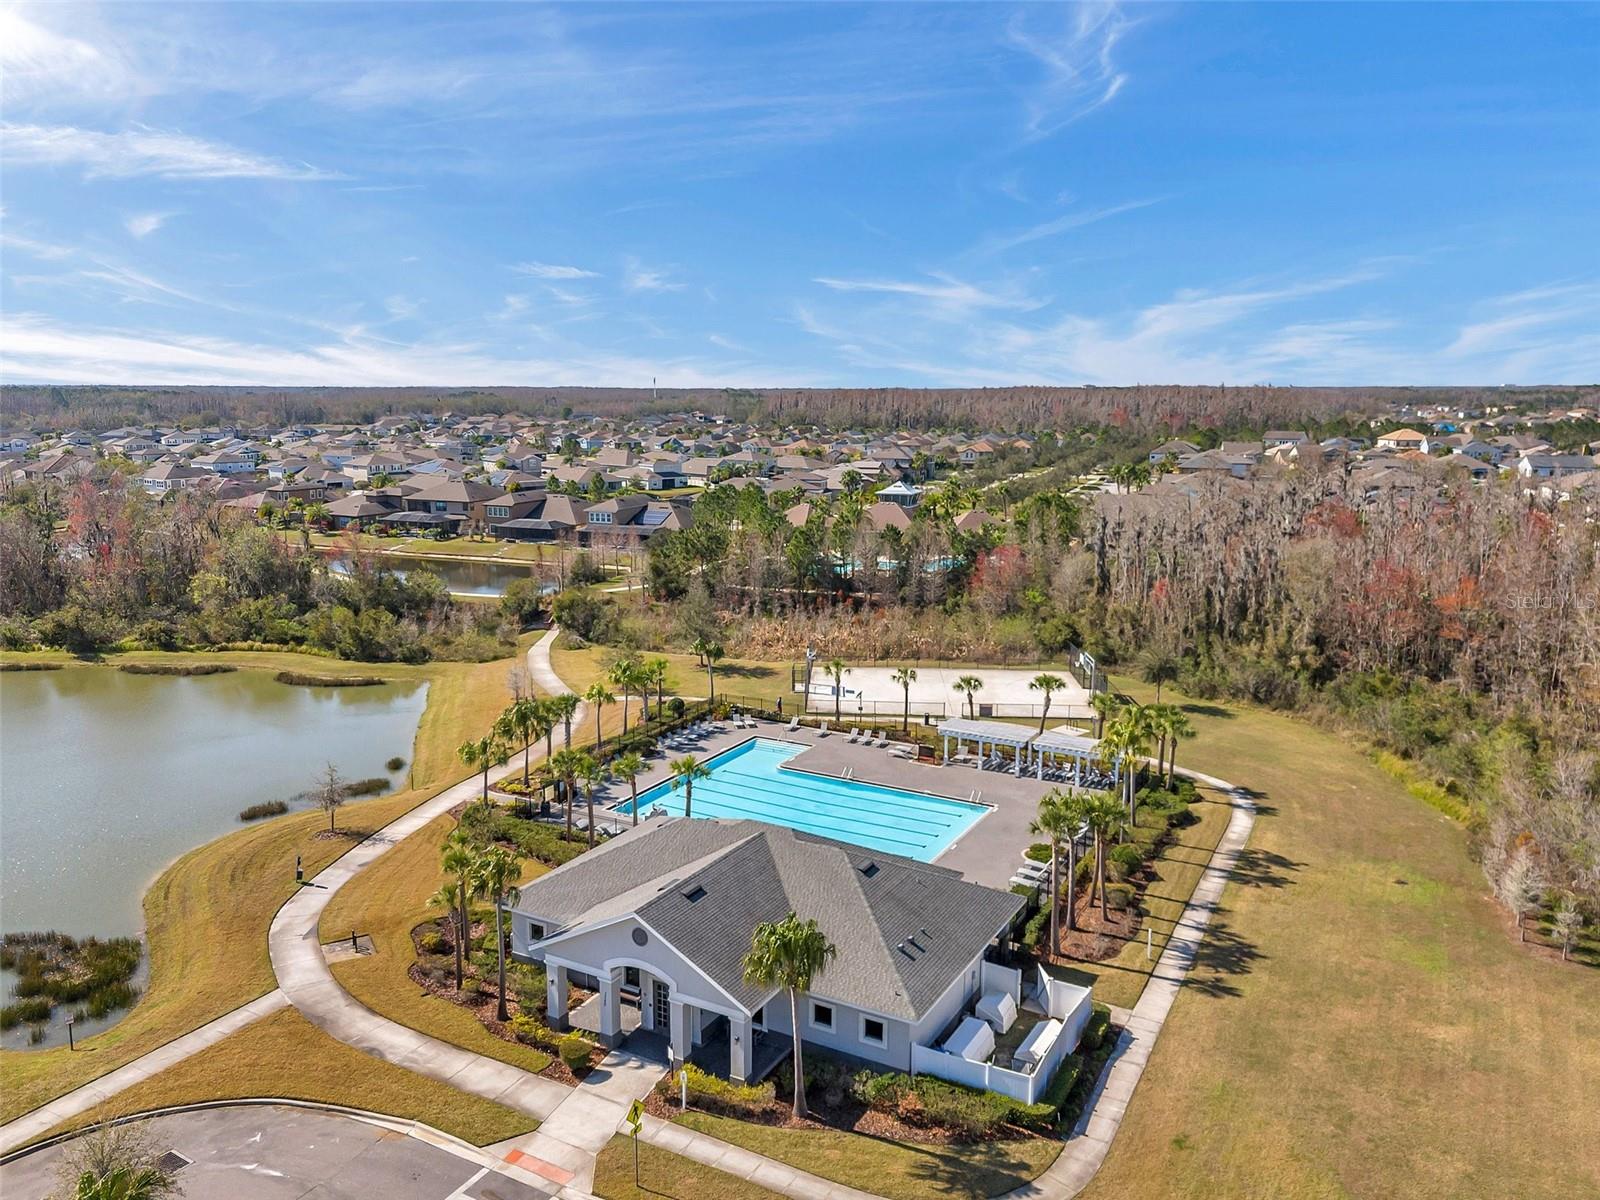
x: 1098, y: 935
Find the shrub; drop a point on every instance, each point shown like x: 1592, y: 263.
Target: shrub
x: 434, y: 943
x: 531, y: 1033
x: 720, y: 1096
x: 574, y: 1050
x: 35, y: 1008
x: 1095, y: 1031
x: 1061, y: 1084
x: 1119, y: 896
x: 272, y: 808
x: 1037, y: 928
x: 300, y: 679
x: 367, y: 787
x: 395, y: 764
x: 1039, y: 852
x: 1126, y: 859
x: 175, y: 668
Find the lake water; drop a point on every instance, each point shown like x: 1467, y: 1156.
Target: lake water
x: 462, y: 578
x: 107, y: 777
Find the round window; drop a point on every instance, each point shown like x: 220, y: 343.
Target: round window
x: 640, y: 937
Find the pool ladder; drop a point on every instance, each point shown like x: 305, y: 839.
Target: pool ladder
x: 848, y: 773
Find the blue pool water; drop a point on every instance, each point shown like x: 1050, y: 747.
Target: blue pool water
x: 749, y: 781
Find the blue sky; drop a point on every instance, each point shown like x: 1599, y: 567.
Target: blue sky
x: 808, y: 195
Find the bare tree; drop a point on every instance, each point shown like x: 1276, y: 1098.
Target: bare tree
x: 330, y: 793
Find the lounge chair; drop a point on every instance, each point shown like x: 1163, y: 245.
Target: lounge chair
x: 855, y: 736
x: 879, y: 742
x: 794, y: 724
x: 822, y: 730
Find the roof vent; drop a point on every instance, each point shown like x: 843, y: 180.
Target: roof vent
x: 869, y: 869
x: 695, y: 894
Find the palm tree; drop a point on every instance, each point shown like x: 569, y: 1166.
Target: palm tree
x: 1159, y: 667
x: 569, y: 766
x: 686, y: 770
x: 1047, y: 684
x: 624, y: 676
x: 480, y: 755
x: 563, y: 708
x: 1131, y: 733
x: 598, y: 696
x: 656, y: 673
x: 124, y: 1183
x: 713, y: 653
x: 789, y: 954
x: 594, y: 774
x: 520, y: 722
x: 969, y: 685
x: 1056, y: 822
x: 459, y: 861
x: 448, y: 897
x: 905, y: 677
x: 835, y: 670
x: 1105, y: 705
x: 1107, y: 821
x: 1177, y: 728
x: 498, y: 872
x: 630, y: 766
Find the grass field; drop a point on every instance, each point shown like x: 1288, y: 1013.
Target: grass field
x: 285, y: 1057
x: 206, y: 916
x: 1361, y: 1021
x: 898, y: 1170
x: 764, y: 681
x: 1178, y: 868
x: 666, y: 1176
x: 388, y: 900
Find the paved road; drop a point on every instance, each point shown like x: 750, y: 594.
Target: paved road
x: 274, y: 1152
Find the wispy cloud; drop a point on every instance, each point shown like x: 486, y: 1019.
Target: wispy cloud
x: 940, y: 288
x: 636, y: 277
x: 1077, y: 60
x: 140, y: 151
x: 38, y: 62
x: 541, y: 270
x: 142, y: 225
x: 999, y: 243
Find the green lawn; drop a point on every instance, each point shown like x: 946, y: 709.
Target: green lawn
x: 898, y: 1170
x: 666, y: 1176
x: 388, y: 900
x: 746, y: 678
x: 285, y: 1056
x: 1178, y: 868
x: 206, y: 916
x: 1360, y: 1022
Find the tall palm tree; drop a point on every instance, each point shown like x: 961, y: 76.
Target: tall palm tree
x: 459, y: 861
x: 563, y: 708
x: 623, y: 676
x: 498, y: 872
x: 1176, y: 727
x: 656, y: 673
x: 789, y: 954
x: 630, y: 766
x: 481, y: 754
x: 835, y: 670
x: 1107, y: 821
x: 520, y: 723
x: 713, y: 653
x: 570, y: 766
x: 685, y: 771
x: 969, y: 685
x: 594, y: 774
x: 598, y: 696
x: 1055, y: 822
x: 1133, y: 729
x: 905, y: 677
x: 1048, y: 684
x: 448, y: 897
x: 1105, y: 705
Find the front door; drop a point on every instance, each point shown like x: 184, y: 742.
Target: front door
x: 660, y: 999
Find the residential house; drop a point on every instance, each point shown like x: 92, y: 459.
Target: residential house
x: 1176, y: 448
x: 1403, y: 439
x: 1552, y: 466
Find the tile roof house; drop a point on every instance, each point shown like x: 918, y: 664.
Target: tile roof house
x: 667, y: 910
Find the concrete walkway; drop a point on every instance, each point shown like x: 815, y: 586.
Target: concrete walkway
x: 80, y: 1100
x: 1102, y: 1116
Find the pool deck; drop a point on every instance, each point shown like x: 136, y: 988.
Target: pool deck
x: 989, y: 852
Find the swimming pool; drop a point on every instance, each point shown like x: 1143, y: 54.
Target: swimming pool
x: 749, y: 781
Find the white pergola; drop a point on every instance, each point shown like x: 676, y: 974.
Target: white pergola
x: 1066, y: 743
x: 986, y: 734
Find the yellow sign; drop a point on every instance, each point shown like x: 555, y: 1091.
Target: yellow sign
x: 636, y: 1114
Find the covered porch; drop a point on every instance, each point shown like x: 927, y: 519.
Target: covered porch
x: 1073, y: 758
x: 642, y: 1003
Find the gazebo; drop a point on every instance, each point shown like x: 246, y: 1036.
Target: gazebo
x: 1065, y: 743
x: 986, y: 734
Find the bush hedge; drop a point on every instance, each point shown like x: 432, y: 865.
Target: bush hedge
x: 574, y: 1051
x: 721, y: 1096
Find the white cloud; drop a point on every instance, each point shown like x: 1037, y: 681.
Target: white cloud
x: 1080, y: 73
x: 39, y: 350
x: 1061, y: 224
x: 541, y: 270
x: 37, y: 62
x: 141, y: 151
x: 636, y: 277
x: 142, y: 225
x: 944, y: 290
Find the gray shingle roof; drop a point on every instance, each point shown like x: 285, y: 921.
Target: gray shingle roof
x: 904, y: 929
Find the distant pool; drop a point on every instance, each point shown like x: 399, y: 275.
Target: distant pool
x: 749, y: 781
